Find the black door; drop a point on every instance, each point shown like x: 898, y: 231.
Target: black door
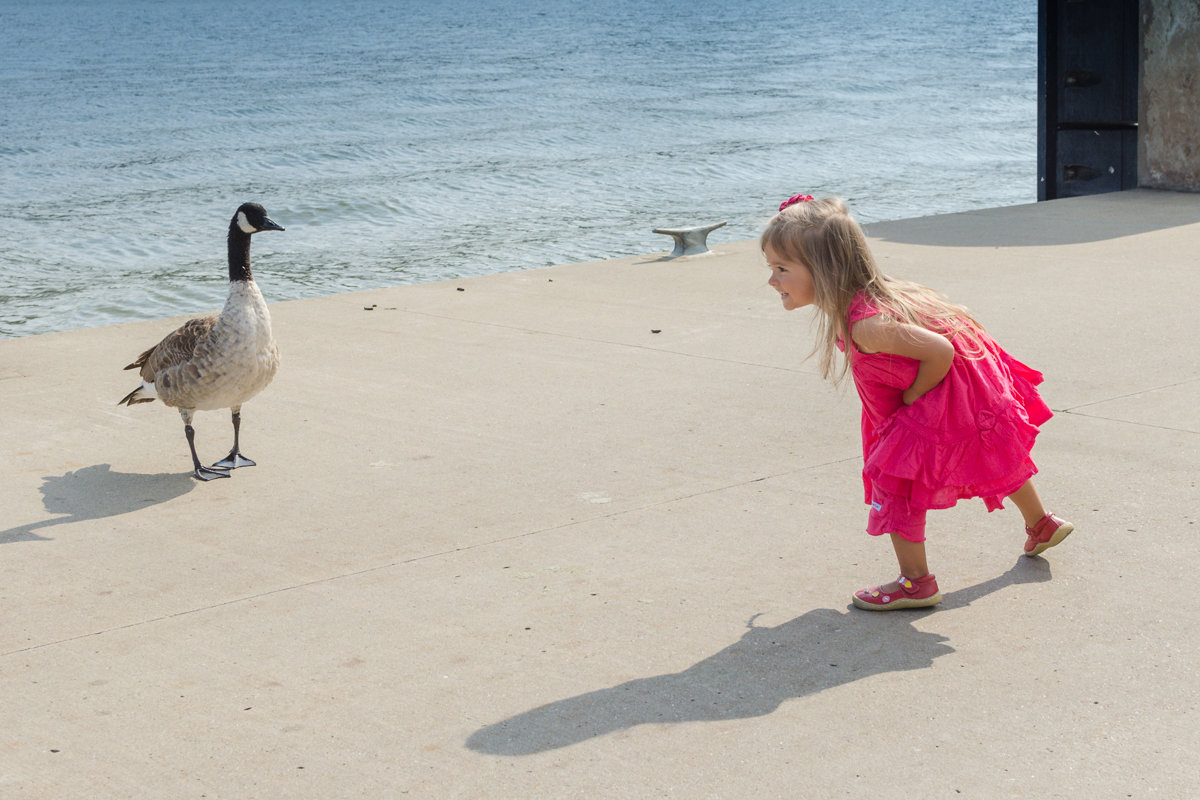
x: 1088, y: 58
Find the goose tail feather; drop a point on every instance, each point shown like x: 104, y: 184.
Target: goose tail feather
x: 142, y: 394
x: 141, y: 360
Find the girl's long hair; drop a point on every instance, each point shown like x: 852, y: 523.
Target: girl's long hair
x: 823, y: 236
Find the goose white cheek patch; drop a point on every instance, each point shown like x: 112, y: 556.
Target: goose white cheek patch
x: 244, y: 223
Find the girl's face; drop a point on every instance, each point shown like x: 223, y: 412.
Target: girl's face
x: 791, y: 279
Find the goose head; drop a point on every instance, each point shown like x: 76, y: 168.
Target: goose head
x: 252, y: 218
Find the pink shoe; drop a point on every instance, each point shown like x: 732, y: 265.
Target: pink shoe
x: 913, y: 593
x: 1049, y: 531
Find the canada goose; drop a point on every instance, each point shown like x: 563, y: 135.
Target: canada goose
x: 217, y: 360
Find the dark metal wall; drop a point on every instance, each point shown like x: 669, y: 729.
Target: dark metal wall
x: 1088, y: 59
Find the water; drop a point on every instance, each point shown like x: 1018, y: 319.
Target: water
x: 402, y: 142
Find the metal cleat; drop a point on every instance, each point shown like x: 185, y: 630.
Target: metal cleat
x: 689, y: 241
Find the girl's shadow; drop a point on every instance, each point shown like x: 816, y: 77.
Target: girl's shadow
x: 751, y: 678
x: 96, y: 492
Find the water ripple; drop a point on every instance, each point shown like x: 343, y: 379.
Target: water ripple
x: 401, y: 143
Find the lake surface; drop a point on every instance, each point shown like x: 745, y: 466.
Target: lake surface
x: 404, y: 142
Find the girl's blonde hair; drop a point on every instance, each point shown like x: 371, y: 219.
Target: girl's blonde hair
x: 824, y: 237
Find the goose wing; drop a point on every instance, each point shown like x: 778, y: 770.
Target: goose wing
x: 175, y: 348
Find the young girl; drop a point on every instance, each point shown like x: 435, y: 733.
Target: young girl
x: 946, y: 412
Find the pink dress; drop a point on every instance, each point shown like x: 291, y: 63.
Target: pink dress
x: 970, y: 436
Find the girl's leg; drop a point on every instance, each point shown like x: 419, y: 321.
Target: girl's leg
x: 1043, y: 530
x: 1030, y: 505
x: 920, y: 589
x: 911, y: 556
x: 889, y: 514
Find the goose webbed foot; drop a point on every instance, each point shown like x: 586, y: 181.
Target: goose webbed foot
x: 233, y: 461
x: 202, y: 473
x: 199, y: 471
x: 235, y: 458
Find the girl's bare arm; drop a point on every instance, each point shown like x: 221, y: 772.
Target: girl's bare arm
x: 881, y: 335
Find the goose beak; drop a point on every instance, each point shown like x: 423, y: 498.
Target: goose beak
x: 269, y: 224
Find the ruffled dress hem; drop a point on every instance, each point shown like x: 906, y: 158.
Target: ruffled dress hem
x: 971, y: 436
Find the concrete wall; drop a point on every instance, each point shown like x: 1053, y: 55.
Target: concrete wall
x: 1169, y: 103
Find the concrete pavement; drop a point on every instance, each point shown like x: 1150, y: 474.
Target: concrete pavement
x: 592, y: 531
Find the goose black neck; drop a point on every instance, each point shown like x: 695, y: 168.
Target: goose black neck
x: 239, y: 254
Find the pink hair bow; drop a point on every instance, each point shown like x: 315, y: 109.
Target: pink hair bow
x: 796, y: 198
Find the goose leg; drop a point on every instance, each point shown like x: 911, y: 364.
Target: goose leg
x: 235, y: 458
x: 199, y: 472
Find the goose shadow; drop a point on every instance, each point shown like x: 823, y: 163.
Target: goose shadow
x: 752, y: 677
x: 97, y: 492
